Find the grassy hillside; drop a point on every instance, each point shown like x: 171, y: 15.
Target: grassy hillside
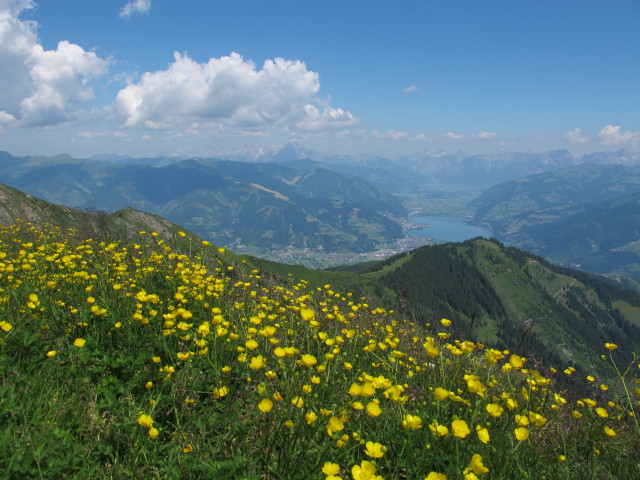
x: 121, y: 225
x: 167, y: 357
x: 122, y: 360
x: 514, y: 300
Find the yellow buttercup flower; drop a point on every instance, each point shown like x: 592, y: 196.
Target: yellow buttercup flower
x: 219, y: 392
x: 476, y: 465
x: 411, y: 422
x: 516, y: 361
x: 494, y: 409
x: 441, y: 394
x: 307, y: 360
x: 265, y: 405
x: 435, y: 476
x: 483, y: 434
x: 610, y: 346
x: 330, y: 468
x: 537, y: 419
x: 256, y: 363
x: 335, y: 424
x: 307, y: 314
x: 311, y: 417
x: 145, y: 421
x: 460, y: 428
x: 79, y: 342
x: 438, y: 430
x: 373, y: 409
x: 365, y: 471
x: 374, y: 450
x: 521, y: 433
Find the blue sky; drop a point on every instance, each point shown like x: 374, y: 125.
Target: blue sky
x: 162, y: 77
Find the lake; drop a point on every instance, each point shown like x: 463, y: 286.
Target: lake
x: 447, y: 229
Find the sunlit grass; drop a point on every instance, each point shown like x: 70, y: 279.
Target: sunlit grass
x: 135, y: 360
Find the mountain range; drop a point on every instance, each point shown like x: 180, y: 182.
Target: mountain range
x: 300, y: 205
x: 264, y: 205
x: 586, y: 216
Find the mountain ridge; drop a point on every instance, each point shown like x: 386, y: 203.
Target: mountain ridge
x: 225, y: 202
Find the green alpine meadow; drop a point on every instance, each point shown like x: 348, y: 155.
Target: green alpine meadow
x: 141, y: 353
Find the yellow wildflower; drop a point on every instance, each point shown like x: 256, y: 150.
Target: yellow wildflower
x: 476, y: 465
x: 145, y: 421
x: 307, y: 360
x: 438, y: 430
x: 335, y: 424
x: 374, y: 450
x: 256, y: 362
x: 435, y: 476
x: 219, y: 392
x: 310, y: 417
x: 483, y: 434
x: 373, y: 409
x: 330, y: 468
x: 460, y: 428
x: 494, y: 409
x: 365, y: 471
x: 411, y: 422
x: 521, y: 433
x: 265, y: 405
x: 441, y: 394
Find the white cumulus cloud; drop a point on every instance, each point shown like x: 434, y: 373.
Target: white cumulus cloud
x: 452, y: 135
x: 231, y: 92
x: 14, y: 7
x: 389, y: 134
x: 135, y: 6
x: 410, y: 89
x: 486, y: 135
x: 41, y: 87
x: 576, y: 136
x: 611, y: 135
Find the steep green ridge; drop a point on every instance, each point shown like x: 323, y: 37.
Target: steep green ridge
x: 555, y: 193
x: 511, y: 299
x: 585, y: 216
x: 121, y: 225
x: 605, y: 238
x: 266, y: 205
